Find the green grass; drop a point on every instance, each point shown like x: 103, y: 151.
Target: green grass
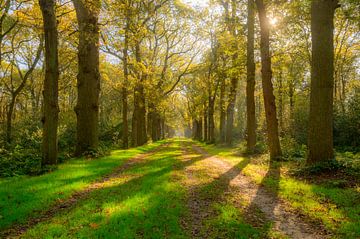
x: 337, y: 208
x: 145, y: 202
x: 149, y: 199
x: 25, y: 196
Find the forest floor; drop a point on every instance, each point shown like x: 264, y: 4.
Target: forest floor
x: 176, y: 189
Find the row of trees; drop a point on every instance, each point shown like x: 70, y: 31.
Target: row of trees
x: 299, y: 59
x: 138, y: 70
x: 131, y: 55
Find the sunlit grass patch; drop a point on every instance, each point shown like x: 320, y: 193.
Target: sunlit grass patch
x: 337, y: 208
x: 25, y: 196
x: 148, y: 205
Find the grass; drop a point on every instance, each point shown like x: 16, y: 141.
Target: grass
x: 337, y: 208
x: 145, y: 202
x: 150, y: 199
x: 25, y: 196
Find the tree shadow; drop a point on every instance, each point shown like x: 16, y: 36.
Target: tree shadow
x: 149, y: 185
x: 266, y: 199
x: 202, y: 198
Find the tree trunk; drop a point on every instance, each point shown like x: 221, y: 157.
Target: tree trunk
x: 51, y: 106
x: 250, y: 83
x: 125, y: 136
x: 9, y: 115
x: 234, y: 79
x: 320, y: 137
x: 211, y: 110
x: 139, y: 116
x: 230, y: 112
x: 281, y: 103
x: 222, y: 111
x: 87, y: 108
x: 268, y: 89
x: 205, y: 120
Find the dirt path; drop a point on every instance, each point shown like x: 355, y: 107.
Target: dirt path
x: 234, y: 183
x: 63, y: 206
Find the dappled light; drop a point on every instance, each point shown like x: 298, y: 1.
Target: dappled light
x: 180, y: 119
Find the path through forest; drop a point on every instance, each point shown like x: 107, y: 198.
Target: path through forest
x: 178, y: 181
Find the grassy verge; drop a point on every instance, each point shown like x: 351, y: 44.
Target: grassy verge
x: 337, y: 208
x: 24, y: 196
x: 145, y: 202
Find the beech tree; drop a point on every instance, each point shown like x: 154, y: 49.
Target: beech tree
x: 51, y: 108
x: 320, y: 137
x: 250, y: 83
x: 268, y: 89
x: 87, y: 108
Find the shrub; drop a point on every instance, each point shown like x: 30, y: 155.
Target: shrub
x: 20, y: 161
x: 292, y: 149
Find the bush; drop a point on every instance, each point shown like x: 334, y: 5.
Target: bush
x: 347, y: 125
x: 351, y: 161
x: 20, y: 161
x: 292, y: 149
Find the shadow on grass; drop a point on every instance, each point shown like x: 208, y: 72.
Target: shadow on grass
x: 272, y: 182
x: 148, y: 205
x: 24, y: 197
x: 201, y: 204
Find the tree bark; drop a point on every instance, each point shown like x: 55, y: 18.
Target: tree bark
x: 88, y: 84
x: 50, y: 105
x: 222, y: 111
x: 211, y: 110
x: 124, y: 90
x: 281, y: 103
x: 205, y: 120
x: 250, y: 83
x: 320, y: 137
x: 234, y: 79
x: 268, y: 89
x: 139, y: 117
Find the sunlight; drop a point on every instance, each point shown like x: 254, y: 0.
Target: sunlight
x: 273, y: 21
x: 197, y: 3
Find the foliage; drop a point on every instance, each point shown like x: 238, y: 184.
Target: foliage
x: 292, y: 149
x: 20, y: 161
x: 347, y: 125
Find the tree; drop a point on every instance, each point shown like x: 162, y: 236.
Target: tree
x: 268, y: 89
x: 87, y: 108
x: 250, y: 83
x: 16, y: 90
x: 320, y: 137
x: 51, y: 108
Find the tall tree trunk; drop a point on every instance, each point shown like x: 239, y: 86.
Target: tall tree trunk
x: 281, y: 102
x: 139, y: 116
x: 9, y: 116
x: 51, y: 106
x: 205, y: 120
x: 211, y: 110
x: 320, y: 137
x: 124, y: 90
x: 87, y: 108
x: 154, y: 123
x: 268, y: 89
x: 230, y: 112
x: 250, y: 83
x: 234, y: 78
x: 222, y: 111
